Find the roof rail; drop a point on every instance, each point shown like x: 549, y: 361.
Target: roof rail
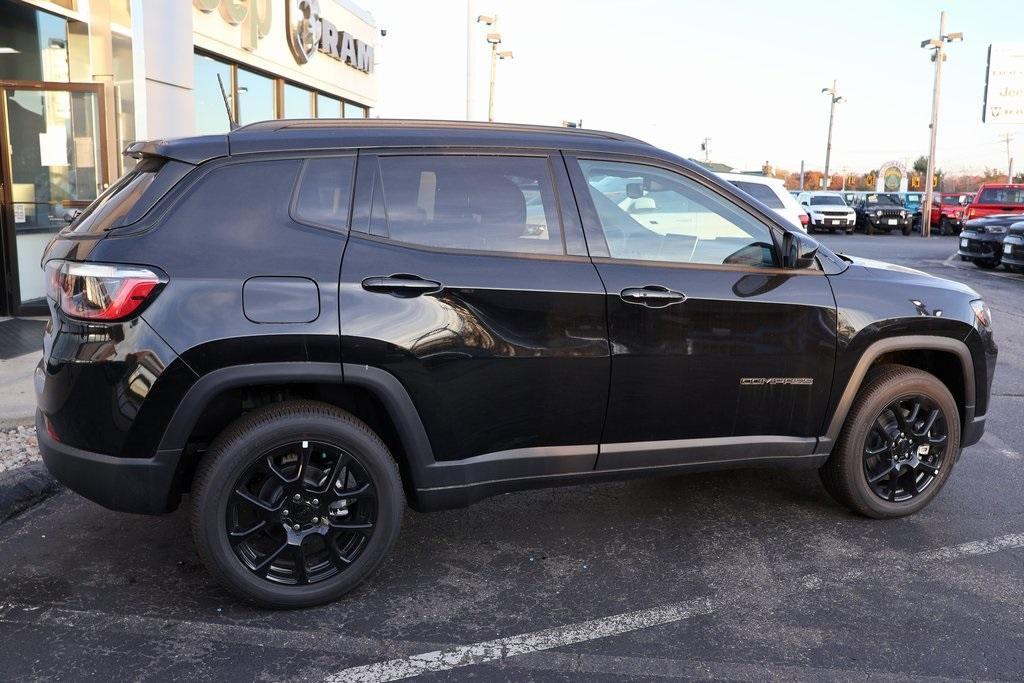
x: 307, y: 124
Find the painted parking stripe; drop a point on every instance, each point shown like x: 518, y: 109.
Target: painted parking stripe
x: 594, y: 629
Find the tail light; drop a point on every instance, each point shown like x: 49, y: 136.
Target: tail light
x: 98, y: 291
x: 804, y: 219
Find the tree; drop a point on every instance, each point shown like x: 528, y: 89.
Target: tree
x: 921, y: 165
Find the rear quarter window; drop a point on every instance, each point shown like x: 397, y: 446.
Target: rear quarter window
x: 324, y: 193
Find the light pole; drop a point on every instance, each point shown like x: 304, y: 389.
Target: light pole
x: 495, y: 40
x: 937, y: 46
x: 834, y: 99
x: 471, y: 49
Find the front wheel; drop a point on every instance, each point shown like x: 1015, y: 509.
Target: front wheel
x: 898, y: 446
x: 986, y: 264
x: 295, y: 504
x: 907, y: 229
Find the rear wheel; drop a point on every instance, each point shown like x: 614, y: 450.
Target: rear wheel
x: 944, y: 228
x: 898, y: 446
x: 295, y: 504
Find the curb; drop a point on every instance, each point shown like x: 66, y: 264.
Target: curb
x: 9, y: 421
x: 23, y: 487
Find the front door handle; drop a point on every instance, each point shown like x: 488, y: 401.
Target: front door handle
x: 652, y: 296
x: 401, y: 284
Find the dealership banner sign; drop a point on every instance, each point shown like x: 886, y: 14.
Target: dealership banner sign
x: 1004, y: 84
x: 892, y: 177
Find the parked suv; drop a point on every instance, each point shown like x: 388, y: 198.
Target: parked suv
x: 878, y: 211
x: 828, y: 211
x: 981, y: 240
x: 305, y: 324
x: 1013, y: 247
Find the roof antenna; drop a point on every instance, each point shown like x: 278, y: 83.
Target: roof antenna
x: 232, y: 124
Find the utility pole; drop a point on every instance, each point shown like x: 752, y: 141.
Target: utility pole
x: 937, y: 46
x: 1008, y: 138
x: 801, y: 175
x: 834, y: 99
x: 706, y: 148
x: 469, y: 58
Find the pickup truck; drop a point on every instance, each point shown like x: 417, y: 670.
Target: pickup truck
x: 996, y: 198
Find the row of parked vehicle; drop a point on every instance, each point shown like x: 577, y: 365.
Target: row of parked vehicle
x: 993, y: 228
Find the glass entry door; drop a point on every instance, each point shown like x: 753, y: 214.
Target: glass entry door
x: 52, y: 166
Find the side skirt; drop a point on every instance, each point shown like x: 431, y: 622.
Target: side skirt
x: 460, y: 483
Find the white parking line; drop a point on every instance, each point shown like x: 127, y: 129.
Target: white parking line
x: 547, y: 639
x: 1000, y: 446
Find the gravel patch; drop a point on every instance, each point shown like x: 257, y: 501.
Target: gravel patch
x: 18, y: 447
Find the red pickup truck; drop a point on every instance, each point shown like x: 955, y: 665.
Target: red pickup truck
x: 948, y: 211
x: 996, y: 198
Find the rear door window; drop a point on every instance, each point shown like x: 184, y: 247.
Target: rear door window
x: 1002, y: 195
x: 479, y: 203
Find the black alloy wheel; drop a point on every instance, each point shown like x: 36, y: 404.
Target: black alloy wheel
x: 295, y: 504
x: 905, y: 450
x: 898, y: 444
x: 301, y: 513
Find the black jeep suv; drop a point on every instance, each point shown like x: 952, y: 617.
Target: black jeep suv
x: 305, y: 324
x: 881, y: 212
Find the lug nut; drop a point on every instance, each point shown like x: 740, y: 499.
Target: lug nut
x: 316, y: 502
x: 297, y: 497
x: 316, y: 520
x: 295, y: 527
x: 284, y: 513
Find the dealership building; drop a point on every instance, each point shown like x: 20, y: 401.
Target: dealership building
x: 79, y: 79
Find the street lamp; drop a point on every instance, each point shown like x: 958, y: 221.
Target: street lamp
x: 937, y: 46
x: 835, y: 99
x: 495, y: 40
x: 472, y: 20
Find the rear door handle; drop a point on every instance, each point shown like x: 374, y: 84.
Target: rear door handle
x: 652, y: 296
x: 401, y: 284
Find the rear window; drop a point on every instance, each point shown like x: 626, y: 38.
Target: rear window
x: 1002, y: 195
x: 760, y: 192
x: 112, y: 208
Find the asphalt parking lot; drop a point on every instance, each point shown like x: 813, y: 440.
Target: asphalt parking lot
x: 730, y: 575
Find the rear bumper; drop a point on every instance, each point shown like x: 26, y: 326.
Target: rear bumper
x: 124, y: 484
x: 833, y: 222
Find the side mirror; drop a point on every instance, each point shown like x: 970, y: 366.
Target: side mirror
x: 798, y: 250
x: 634, y: 190
x: 805, y: 203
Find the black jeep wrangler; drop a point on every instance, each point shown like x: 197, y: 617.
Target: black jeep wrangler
x: 882, y: 212
x: 305, y: 324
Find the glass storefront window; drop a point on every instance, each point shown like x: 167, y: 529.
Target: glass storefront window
x: 327, y: 107
x: 36, y: 44
x: 255, y: 97
x: 124, y: 98
x: 354, y: 111
x: 210, y: 114
x: 298, y: 102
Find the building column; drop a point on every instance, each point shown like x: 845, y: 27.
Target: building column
x: 163, y: 68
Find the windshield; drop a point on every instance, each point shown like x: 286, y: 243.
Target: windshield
x: 827, y: 200
x: 951, y: 199
x: 761, y: 192
x: 913, y: 198
x: 881, y: 200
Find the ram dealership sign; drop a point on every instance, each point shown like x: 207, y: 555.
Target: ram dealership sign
x: 309, y: 31
x: 1004, y: 84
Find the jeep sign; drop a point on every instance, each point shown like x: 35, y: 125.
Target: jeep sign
x: 308, y: 32
x: 1004, y: 84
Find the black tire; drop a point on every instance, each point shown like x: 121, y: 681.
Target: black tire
x: 986, y: 264
x: 241, y: 446
x: 844, y: 473
x: 849, y: 231
x: 906, y: 229
x: 869, y: 227
x: 944, y: 228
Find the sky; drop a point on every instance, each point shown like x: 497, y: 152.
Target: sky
x: 747, y: 74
